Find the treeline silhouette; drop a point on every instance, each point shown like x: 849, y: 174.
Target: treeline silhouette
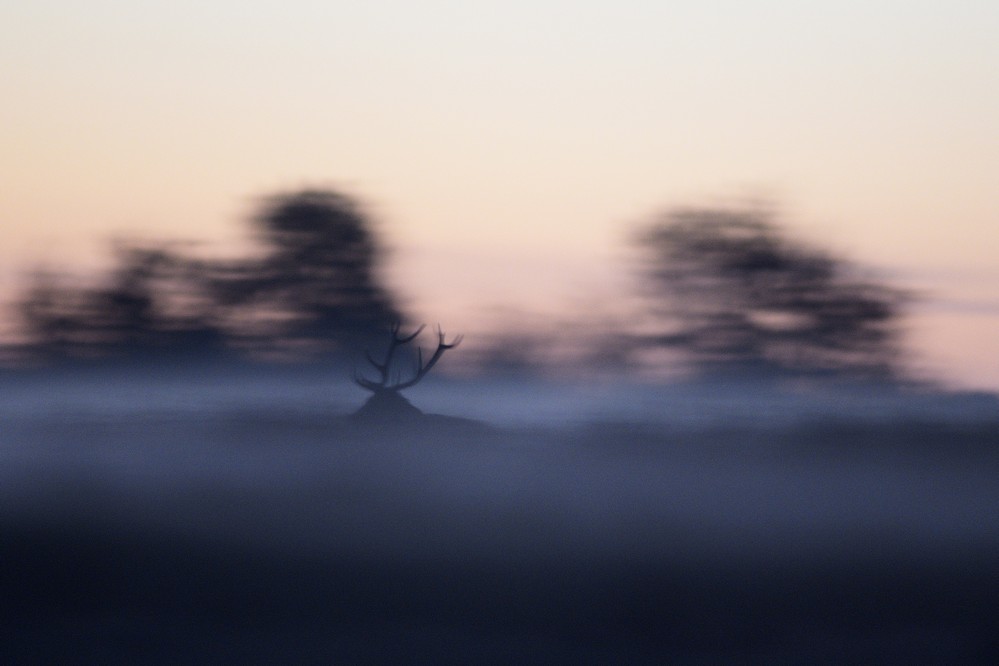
x: 737, y: 298
x: 311, y: 293
x: 724, y: 290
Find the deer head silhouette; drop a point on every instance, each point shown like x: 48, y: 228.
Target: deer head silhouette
x: 387, y: 400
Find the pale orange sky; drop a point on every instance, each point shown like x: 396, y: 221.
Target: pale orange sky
x: 507, y: 149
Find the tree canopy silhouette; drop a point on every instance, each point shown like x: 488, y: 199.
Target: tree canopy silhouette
x: 312, y: 290
x: 147, y: 306
x: 738, y: 298
x: 315, y: 287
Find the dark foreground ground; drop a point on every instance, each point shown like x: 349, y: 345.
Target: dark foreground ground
x: 274, y: 537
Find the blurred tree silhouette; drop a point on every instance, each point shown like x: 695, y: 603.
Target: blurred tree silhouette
x: 148, y: 307
x: 315, y: 288
x: 50, y: 312
x: 738, y: 299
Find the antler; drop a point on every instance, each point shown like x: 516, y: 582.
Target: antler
x: 421, y: 369
x: 385, y: 368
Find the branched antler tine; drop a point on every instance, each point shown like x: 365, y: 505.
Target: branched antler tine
x: 382, y: 368
x: 445, y: 345
x: 419, y: 361
x: 408, y: 338
x: 391, y: 378
x: 433, y: 359
x: 365, y: 383
x: 422, y: 369
x: 372, y: 361
x: 395, y: 342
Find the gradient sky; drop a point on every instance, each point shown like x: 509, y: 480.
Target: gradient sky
x: 507, y: 149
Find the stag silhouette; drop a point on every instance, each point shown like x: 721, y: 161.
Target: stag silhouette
x: 387, y: 402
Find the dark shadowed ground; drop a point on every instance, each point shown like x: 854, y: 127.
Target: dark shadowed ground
x: 244, y: 530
